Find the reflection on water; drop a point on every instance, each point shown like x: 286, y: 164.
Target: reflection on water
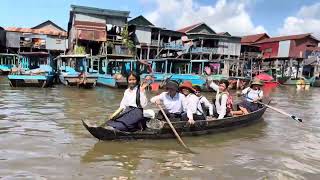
x: 42, y: 137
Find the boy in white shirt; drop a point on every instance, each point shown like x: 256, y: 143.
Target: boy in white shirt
x: 207, y: 107
x: 221, y: 98
x: 172, y: 101
x: 191, y: 104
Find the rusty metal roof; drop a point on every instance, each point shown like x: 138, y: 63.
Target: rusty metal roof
x: 247, y: 40
x: 284, y: 38
x: 36, y: 31
x: 188, y: 28
x: 99, y: 11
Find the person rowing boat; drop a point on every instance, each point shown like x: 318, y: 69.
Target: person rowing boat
x: 172, y: 101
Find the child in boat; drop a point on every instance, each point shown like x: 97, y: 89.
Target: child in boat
x: 191, y: 104
x: 252, y: 94
x: 172, y: 101
x: 207, y: 107
x: 222, y: 96
x: 131, y: 106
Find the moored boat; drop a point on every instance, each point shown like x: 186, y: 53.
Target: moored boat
x: 113, y: 72
x: 200, y: 128
x: 173, y: 69
x: 77, y: 70
x: 8, y: 61
x: 34, y: 71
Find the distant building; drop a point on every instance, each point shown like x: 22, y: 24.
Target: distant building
x: 2, y: 39
x: 287, y: 47
x: 99, y: 31
x: 284, y: 55
x: 209, y: 44
x: 153, y: 42
x: 46, y: 36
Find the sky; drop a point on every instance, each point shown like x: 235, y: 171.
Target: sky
x: 238, y: 17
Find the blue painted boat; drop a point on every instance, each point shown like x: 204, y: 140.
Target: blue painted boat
x: 8, y: 61
x: 34, y: 71
x: 77, y: 70
x: 113, y: 72
x: 174, y: 69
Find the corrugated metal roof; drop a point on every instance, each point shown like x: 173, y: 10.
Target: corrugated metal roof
x: 284, y: 38
x: 188, y: 28
x: 224, y: 33
x: 140, y: 20
x: 46, y: 23
x: 247, y: 40
x: 36, y: 31
x: 99, y: 11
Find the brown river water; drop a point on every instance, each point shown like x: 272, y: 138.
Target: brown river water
x: 41, y: 137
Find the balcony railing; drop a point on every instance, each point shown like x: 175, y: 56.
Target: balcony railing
x: 154, y: 43
x: 204, y: 50
x: 173, y: 46
x: 120, y: 50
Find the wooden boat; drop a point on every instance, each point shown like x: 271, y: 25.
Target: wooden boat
x: 315, y: 81
x: 173, y: 69
x: 35, y: 71
x: 8, y: 61
x: 200, y: 128
x: 113, y: 72
x: 77, y: 70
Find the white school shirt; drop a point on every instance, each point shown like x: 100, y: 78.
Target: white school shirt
x: 207, y: 104
x: 252, y: 94
x: 221, y: 108
x: 192, y: 105
x: 129, y: 98
x: 172, y: 104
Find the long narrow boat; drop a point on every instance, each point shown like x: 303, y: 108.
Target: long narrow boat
x: 35, y: 71
x: 200, y: 128
x: 77, y: 70
x: 113, y: 72
x: 8, y: 61
x: 173, y: 69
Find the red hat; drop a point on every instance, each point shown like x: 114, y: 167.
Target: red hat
x: 187, y: 85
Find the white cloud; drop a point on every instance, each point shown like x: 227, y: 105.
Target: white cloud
x: 224, y: 15
x: 307, y: 20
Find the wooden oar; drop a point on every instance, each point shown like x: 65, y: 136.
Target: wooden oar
x: 279, y: 111
x: 119, y: 110
x: 173, y: 129
x: 282, y: 112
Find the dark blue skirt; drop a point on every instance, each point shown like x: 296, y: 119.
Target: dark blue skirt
x: 250, y: 106
x: 131, y: 119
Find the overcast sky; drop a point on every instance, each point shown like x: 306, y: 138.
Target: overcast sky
x: 238, y: 17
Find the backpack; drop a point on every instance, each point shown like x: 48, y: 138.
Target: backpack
x: 229, y: 101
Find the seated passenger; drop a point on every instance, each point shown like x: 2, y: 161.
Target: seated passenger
x: 252, y: 94
x: 191, y: 104
x: 207, y: 107
x: 172, y: 101
x: 223, y: 101
x: 131, y: 106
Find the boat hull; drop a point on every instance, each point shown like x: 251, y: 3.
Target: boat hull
x: 4, y: 72
x: 110, y: 81
x: 75, y: 81
x: 196, y: 80
x: 31, y: 80
x: 200, y: 128
x: 316, y: 83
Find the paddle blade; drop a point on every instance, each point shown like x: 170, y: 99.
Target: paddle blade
x: 296, y: 118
